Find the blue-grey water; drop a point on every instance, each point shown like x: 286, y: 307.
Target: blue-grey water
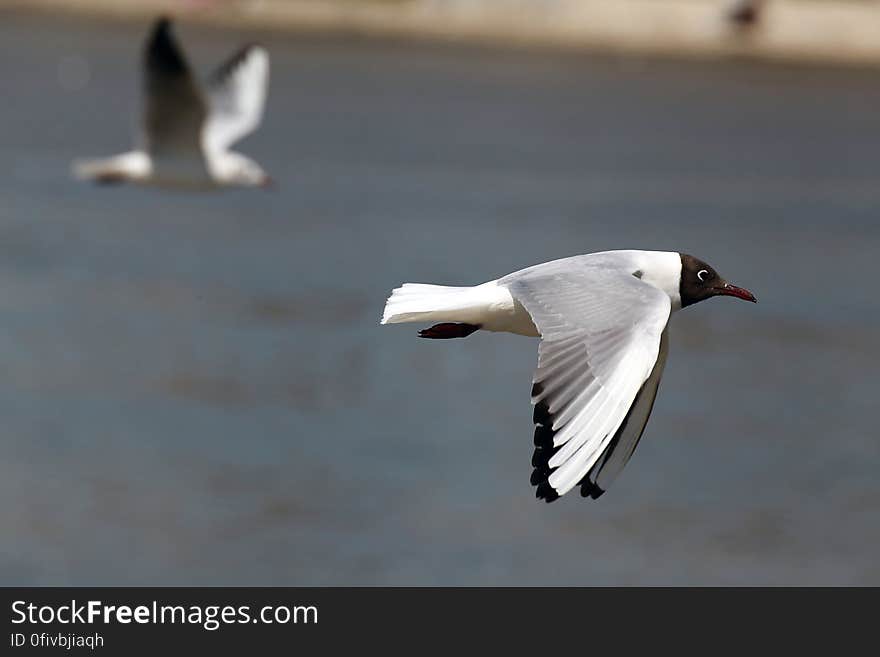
x: 196, y: 389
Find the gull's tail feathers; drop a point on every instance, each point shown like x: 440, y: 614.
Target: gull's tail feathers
x: 128, y: 166
x: 419, y: 302
x: 86, y: 169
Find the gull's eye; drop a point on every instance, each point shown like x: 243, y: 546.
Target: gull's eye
x: 702, y: 275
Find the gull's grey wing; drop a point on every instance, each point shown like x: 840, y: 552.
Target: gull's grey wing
x: 237, y: 95
x: 600, y: 340
x: 624, y: 443
x: 174, y: 108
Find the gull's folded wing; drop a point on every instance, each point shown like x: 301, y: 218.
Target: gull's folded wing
x: 174, y: 108
x: 237, y: 94
x: 600, y: 341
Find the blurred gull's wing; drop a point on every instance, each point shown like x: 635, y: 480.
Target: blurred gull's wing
x: 237, y: 94
x: 174, y: 108
x: 600, y: 342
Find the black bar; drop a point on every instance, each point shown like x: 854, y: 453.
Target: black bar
x: 322, y: 621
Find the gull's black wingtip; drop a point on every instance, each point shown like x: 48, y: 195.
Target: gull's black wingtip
x: 546, y: 492
x: 230, y: 65
x: 544, y: 449
x: 163, y: 56
x: 590, y: 489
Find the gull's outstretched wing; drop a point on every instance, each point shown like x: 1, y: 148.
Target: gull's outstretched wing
x: 174, y: 108
x: 237, y: 94
x: 622, y: 446
x: 600, y: 343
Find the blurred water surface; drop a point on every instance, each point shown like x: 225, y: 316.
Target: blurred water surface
x: 196, y: 389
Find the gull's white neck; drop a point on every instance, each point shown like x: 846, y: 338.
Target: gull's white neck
x: 662, y: 269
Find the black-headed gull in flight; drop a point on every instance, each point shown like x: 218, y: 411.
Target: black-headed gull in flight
x: 187, y: 129
x: 602, y: 319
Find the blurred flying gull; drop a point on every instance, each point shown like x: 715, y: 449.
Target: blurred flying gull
x: 187, y: 129
x: 602, y: 319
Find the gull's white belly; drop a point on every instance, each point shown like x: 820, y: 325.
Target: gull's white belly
x: 503, y: 313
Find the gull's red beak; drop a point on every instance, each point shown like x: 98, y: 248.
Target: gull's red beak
x: 729, y: 290
x: 268, y: 183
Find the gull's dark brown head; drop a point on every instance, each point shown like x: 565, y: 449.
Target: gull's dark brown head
x: 700, y: 281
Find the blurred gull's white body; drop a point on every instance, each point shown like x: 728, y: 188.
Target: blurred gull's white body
x: 188, y: 130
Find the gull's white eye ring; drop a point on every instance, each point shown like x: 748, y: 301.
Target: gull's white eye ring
x: 702, y: 275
